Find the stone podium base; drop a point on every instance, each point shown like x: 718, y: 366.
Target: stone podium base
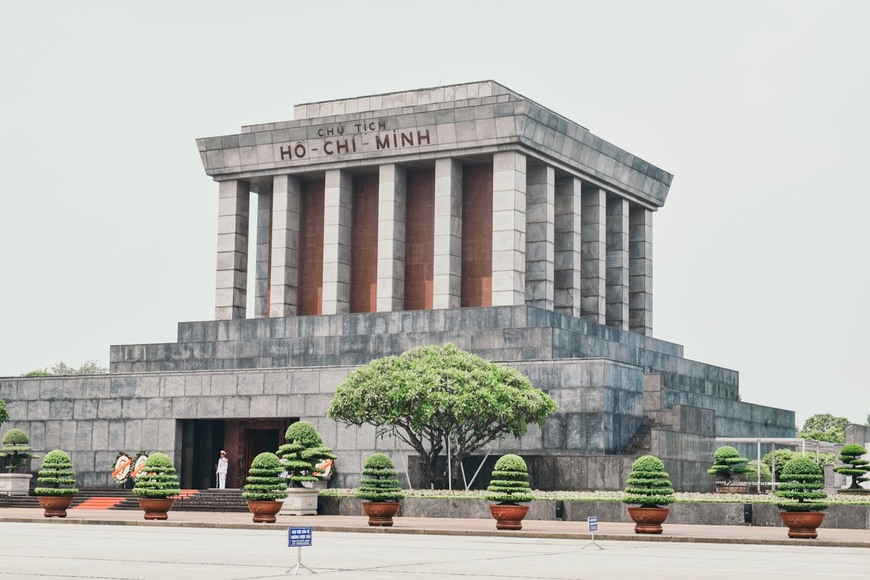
x: 15, y: 483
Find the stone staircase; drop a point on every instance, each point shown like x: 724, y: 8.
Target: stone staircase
x: 224, y: 500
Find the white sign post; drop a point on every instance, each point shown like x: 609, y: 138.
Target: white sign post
x: 592, y: 522
x: 298, y: 538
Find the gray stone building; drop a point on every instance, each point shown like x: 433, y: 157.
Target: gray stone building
x: 465, y: 213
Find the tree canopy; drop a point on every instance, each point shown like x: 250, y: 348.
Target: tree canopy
x: 436, y: 398
x: 89, y: 367
x: 4, y: 414
x: 825, y: 427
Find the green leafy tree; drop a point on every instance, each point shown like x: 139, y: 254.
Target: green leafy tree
x: 728, y: 465
x: 4, y: 414
x: 648, y: 484
x: 850, y: 455
x: 265, y: 482
x: 825, y: 427
x: 510, y: 481
x: 56, y: 477
x: 302, y: 452
x: 16, y: 449
x: 802, y: 486
x: 776, y: 461
x: 440, y: 398
x: 379, y: 481
x: 89, y: 367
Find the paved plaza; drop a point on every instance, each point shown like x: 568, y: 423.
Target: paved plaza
x: 191, y: 545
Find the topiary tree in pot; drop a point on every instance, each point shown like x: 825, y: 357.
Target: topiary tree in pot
x: 729, y: 468
x: 266, y: 485
x: 379, y: 489
x: 57, y: 481
x: 509, y: 487
x: 300, y: 456
x: 801, y: 497
x: 157, y: 486
x: 854, y: 466
x: 16, y: 450
x: 649, y: 487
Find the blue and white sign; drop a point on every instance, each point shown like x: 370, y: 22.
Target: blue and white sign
x: 298, y: 537
x: 593, y: 523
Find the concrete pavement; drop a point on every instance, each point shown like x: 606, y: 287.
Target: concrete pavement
x: 454, y: 527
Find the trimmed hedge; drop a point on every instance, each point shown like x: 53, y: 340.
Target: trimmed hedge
x: 56, y: 475
x: 265, y: 482
x: 728, y: 465
x: 854, y: 466
x: 510, y: 481
x: 302, y: 452
x: 379, y: 481
x: 802, y: 487
x: 648, y: 484
x: 158, y: 478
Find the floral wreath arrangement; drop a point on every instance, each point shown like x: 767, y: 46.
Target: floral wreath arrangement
x: 121, y: 468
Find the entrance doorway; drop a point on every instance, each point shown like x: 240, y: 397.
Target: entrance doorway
x: 242, y: 439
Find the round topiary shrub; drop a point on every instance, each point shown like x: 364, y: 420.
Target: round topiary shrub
x: 16, y: 449
x: 648, y: 484
x: 801, y: 489
x: 302, y: 452
x: 728, y: 466
x: 158, y: 478
x: 265, y: 482
x: 510, y: 481
x: 854, y: 466
x: 379, y: 481
x: 56, y: 476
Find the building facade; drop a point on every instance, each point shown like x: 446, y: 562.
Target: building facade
x: 465, y: 213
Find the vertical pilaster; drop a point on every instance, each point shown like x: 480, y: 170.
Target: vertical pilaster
x: 447, y: 267
x: 540, y: 236
x: 232, y: 250
x: 567, y: 256
x: 338, y: 196
x: 391, y: 237
x: 593, y: 276
x: 284, y: 280
x: 508, y: 228
x: 617, y: 263
x: 641, y: 270
x: 262, y: 267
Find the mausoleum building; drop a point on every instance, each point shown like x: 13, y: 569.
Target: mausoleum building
x: 466, y: 214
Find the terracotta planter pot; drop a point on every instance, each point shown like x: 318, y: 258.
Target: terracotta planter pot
x: 508, y: 516
x: 380, y: 513
x: 648, y: 520
x: 802, y: 524
x: 264, y: 511
x: 156, y: 508
x: 55, y: 506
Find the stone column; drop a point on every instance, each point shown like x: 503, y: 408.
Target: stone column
x: 568, y: 226
x: 283, y: 298
x: 641, y: 269
x: 337, y: 199
x: 617, y: 263
x: 232, y: 250
x: 508, y: 228
x: 447, y: 266
x: 540, y: 236
x: 592, y: 254
x: 391, y: 238
x: 263, y: 264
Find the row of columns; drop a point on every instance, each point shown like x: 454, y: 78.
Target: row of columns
x: 555, y: 244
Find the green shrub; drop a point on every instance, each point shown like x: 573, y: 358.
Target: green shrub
x: 728, y: 465
x: 854, y: 466
x: 802, y: 486
x: 510, y: 481
x: 16, y: 449
x: 752, y: 474
x: 648, y: 484
x: 302, y: 452
x: 265, y: 482
x: 379, y: 481
x: 782, y: 457
x: 56, y: 475
x: 158, y: 478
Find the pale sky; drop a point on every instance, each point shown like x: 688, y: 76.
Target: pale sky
x: 759, y: 109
